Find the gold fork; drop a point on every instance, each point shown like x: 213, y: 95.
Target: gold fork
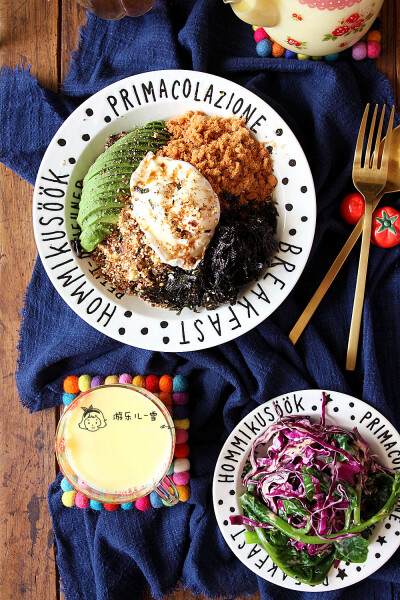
x: 369, y: 178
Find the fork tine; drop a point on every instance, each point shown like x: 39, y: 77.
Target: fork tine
x: 387, y: 140
x: 370, y: 137
x: 360, y: 139
x: 378, y: 139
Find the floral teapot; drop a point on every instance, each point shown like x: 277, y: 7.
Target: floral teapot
x: 313, y: 27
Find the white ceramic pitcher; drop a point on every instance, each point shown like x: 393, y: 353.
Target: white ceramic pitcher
x: 313, y: 27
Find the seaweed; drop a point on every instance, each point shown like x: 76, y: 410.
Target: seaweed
x: 238, y: 252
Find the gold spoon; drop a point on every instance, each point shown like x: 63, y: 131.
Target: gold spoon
x: 392, y: 185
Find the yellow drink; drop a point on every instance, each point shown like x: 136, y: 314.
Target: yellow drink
x: 117, y: 441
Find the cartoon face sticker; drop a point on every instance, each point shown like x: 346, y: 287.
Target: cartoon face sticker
x: 92, y: 419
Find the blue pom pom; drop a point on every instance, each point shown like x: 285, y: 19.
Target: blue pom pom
x: 127, y: 505
x: 68, y: 398
x: 171, y: 469
x: 180, y: 383
x: 155, y: 500
x: 96, y: 505
x: 290, y: 54
x: 332, y: 57
x: 264, y: 48
x: 181, y: 412
x: 66, y: 486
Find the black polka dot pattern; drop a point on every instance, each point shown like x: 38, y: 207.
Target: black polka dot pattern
x: 335, y: 409
x: 107, y: 119
x: 292, y: 162
x: 165, y: 340
x: 358, y: 569
x: 144, y: 331
x: 71, y: 161
x: 292, y: 232
x: 121, y: 331
x: 314, y: 408
x: 352, y: 417
x: 232, y: 509
x: 220, y: 502
x: 279, y: 132
x: 86, y: 137
x: 128, y: 314
x: 388, y: 525
x: 232, y: 492
x: 285, y: 181
x: 89, y: 112
x: 225, y: 522
x: 303, y: 189
x: 61, y: 142
x: 164, y: 324
x: 304, y: 219
x: 289, y: 207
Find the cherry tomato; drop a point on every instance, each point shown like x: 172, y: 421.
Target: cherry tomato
x: 385, y: 227
x: 352, y: 208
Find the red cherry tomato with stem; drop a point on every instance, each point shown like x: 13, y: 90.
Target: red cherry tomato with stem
x: 385, y: 227
x: 352, y: 208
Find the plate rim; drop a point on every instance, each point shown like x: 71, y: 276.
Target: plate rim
x: 154, y: 343
x: 320, y: 588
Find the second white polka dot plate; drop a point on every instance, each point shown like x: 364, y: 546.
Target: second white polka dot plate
x: 342, y: 410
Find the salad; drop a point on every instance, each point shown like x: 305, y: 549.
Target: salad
x: 312, y: 497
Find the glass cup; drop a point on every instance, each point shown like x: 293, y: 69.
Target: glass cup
x: 115, y: 444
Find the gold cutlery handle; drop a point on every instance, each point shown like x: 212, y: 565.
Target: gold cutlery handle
x: 325, y: 284
x: 360, y: 288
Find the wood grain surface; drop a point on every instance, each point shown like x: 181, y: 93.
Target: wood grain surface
x: 43, y: 34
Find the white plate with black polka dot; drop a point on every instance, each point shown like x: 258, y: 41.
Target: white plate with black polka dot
x: 80, y: 140
x: 342, y: 410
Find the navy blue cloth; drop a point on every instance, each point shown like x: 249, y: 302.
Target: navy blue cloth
x: 113, y: 556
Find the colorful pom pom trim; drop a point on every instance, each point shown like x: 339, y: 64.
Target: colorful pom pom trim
x: 173, y: 392
x: 368, y: 47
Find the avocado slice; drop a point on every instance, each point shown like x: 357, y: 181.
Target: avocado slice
x: 106, y: 185
x: 102, y: 216
x: 93, y: 235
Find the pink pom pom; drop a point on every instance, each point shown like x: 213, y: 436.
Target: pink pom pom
x: 181, y: 478
x: 143, y: 503
x: 373, y: 49
x: 260, y: 34
x: 81, y: 501
x: 181, y: 436
x: 125, y: 378
x: 180, y: 397
x: 359, y: 51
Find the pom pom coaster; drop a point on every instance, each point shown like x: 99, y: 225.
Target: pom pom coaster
x: 173, y: 392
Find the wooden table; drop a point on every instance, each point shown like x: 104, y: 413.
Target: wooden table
x: 43, y: 34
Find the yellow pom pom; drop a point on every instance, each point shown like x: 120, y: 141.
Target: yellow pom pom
x: 111, y: 379
x: 68, y: 498
x: 139, y: 381
x: 84, y: 383
x: 255, y: 27
x: 184, y: 492
x: 374, y: 36
x: 182, y: 423
x: 303, y: 57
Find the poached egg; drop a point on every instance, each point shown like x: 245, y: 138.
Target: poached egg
x: 176, y: 209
